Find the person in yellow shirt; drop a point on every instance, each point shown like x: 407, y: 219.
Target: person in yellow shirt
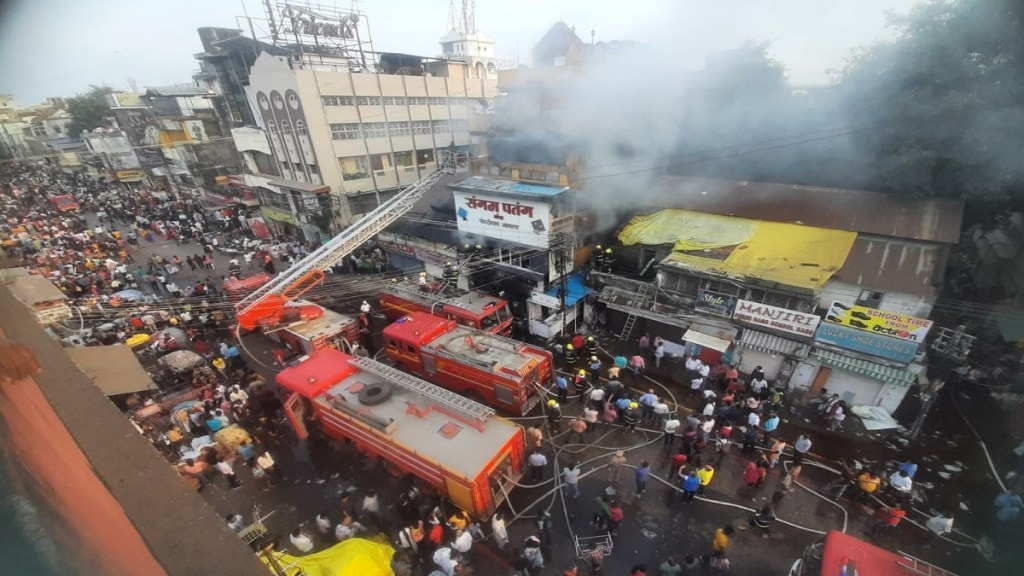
x: 868, y: 483
x: 721, y: 542
x: 705, y: 474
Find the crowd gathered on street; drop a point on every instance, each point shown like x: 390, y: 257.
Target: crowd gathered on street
x: 613, y: 420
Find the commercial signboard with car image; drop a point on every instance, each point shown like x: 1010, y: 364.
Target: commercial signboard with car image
x: 880, y: 322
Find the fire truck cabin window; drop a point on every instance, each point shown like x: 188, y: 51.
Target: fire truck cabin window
x: 503, y: 395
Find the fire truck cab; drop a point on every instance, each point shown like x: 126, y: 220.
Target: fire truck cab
x: 456, y: 446
x: 64, y: 202
x: 473, y: 309
x: 844, y: 554
x: 500, y: 372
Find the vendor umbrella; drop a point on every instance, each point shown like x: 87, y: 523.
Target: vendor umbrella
x: 181, y: 360
x: 176, y: 334
x: 129, y: 295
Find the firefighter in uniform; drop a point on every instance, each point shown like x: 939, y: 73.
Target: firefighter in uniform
x: 607, y: 261
x: 450, y: 274
x: 423, y: 281
x: 570, y: 354
x: 591, y: 348
x: 579, y: 384
x: 554, y: 417
x: 597, y: 259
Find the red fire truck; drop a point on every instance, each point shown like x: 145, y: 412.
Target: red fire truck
x: 453, y: 444
x: 473, y: 309
x: 64, y: 202
x: 497, y: 371
x: 330, y: 329
x: 844, y: 554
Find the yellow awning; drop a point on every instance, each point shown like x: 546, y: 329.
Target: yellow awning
x: 790, y: 254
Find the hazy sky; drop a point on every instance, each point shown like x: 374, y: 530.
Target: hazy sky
x: 59, y: 47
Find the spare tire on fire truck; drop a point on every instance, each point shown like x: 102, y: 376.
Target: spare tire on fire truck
x: 373, y: 394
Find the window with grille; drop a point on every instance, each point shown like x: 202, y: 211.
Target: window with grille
x: 345, y: 131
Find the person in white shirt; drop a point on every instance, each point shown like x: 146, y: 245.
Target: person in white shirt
x: 323, y: 523
x: 758, y: 385
x: 697, y: 382
x: 301, y: 541
x: 704, y: 370
x: 248, y: 259
x: 902, y: 482
x: 537, y: 463
x: 571, y: 477
x: 659, y: 353
x: 590, y: 417
x: 463, y: 542
x: 753, y: 420
x: 443, y: 558
x: 671, y: 427
x: 347, y: 529
x: 709, y: 408
x: 660, y: 412
x: 597, y: 394
x: 692, y: 363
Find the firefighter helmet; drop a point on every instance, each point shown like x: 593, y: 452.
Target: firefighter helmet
x: 608, y: 251
x: 634, y: 405
x: 590, y: 338
x: 552, y: 403
x: 583, y: 372
x: 570, y: 347
x: 598, y: 247
x: 593, y: 358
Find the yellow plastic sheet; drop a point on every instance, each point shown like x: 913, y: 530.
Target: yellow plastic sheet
x: 687, y: 230
x: 356, y: 556
x: 799, y: 256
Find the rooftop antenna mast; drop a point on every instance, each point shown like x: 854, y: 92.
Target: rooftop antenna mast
x: 453, y: 24
x: 469, y: 16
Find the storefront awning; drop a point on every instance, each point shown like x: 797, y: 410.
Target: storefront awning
x: 576, y: 290
x: 771, y: 344
x: 887, y: 374
x: 706, y: 340
x: 113, y: 369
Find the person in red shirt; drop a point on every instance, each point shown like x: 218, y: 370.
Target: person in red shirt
x: 678, y: 461
x: 638, y: 570
x: 887, y: 519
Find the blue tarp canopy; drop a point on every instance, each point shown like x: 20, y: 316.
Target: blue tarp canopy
x: 575, y: 285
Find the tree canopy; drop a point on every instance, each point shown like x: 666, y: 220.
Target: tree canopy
x: 938, y: 111
x: 946, y: 100
x: 88, y: 110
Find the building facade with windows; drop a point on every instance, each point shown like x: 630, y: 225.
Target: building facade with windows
x: 357, y: 136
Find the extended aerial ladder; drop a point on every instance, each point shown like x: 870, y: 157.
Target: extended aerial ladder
x: 265, y: 306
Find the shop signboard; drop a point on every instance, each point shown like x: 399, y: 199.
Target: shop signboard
x: 715, y: 303
x: 515, y: 220
x: 775, y: 318
x: 891, y: 324
x: 866, y: 342
x: 279, y: 215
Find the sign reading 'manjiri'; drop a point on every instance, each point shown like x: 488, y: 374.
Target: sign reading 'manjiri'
x: 781, y: 319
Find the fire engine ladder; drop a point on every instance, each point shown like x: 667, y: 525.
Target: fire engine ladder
x: 638, y: 301
x: 355, y: 236
x: 415, y: 291
x: 423, y: 388
x: 918, y: 566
